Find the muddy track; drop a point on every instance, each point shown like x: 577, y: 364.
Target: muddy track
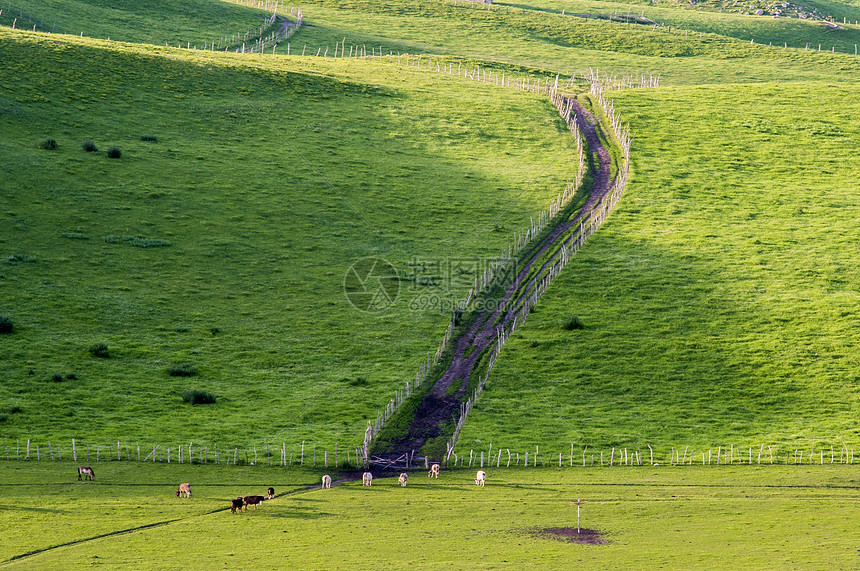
x: 441, y: 405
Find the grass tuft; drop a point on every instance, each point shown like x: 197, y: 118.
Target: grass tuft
x: 196, y: 396
x: 99, y: 350
x: 48, y: 145
x: 89, y: 146
x: 6, y: 324
x: 183, y: 370
x: 571, y: 323
x: 114, y: 153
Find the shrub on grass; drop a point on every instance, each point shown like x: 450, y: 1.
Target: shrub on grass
x: 57, y: 378
x: 48, y: 144
x: 114, y: 153
x: 6, y: 324
x: 19, y: 259
x: 15, y: 409
x: 89, y: 146
x: 183, y: 370
x: 99, y: 350
x: 149, y: 138
x: 572, y: 323
x: 196, y: 396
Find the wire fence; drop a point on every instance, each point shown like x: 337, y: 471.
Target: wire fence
x: 276, y: 28
x: 308, y: 455
x: 763, y: 454
x: 282, y: 454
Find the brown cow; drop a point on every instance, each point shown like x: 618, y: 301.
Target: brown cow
x: 85, y: 472
x: 237, y: 505
x: 184, y: 490
x: 253, y: 501
x: 270, y: 493
x: 434, y: 471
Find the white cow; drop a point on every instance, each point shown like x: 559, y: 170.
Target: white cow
x: 402, y: 479
x: 326, y: 482
x: 367, y: 478
x: 480, y: 478
x: 434, y: 471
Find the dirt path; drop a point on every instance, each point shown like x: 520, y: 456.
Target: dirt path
x: 442, y: 404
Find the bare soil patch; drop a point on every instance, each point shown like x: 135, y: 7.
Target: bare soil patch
x: 570, y: 534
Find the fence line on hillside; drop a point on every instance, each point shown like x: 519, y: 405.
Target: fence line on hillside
x: 271, y: 33
x: 310, y: 456
x: 255, y: 40
x: 764, y: 454
x: 491, y: 273
x: 630, y: 19
x: 15, y: 17
x: 303, y: 454
x: 589, y: 224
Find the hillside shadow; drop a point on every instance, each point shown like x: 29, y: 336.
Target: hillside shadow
x: 681, y: 345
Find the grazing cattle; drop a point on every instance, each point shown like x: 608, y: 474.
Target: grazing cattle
x: 253, y: 501
x: 237, y: 505
x: 434, y: 471
x: 367, y: 478
x: 326, y: 482
x: 184, y: 490
x: 85, y: 472
x: 270, y: 493
x: 402, y: 479
x: 480, y: 478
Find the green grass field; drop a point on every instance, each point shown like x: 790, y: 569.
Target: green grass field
x: 719, y: 301
x: 266, y: 183
x: 742, y: 517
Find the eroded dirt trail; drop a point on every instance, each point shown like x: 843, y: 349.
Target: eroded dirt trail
x: 442, y: 404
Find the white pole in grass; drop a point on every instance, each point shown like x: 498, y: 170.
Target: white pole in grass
x: 74, y: 451
x: 578, y: 506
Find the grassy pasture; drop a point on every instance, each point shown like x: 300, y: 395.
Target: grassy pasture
x: 719, y: 300
x: 140, y: 21
x: 743, y: 517
x: 534, y: 39
x: 762, y: 29
x: 566, y: 45
x: 222, y: 245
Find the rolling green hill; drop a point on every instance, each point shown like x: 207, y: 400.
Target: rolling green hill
x: 221, y: 247
x: 211, y: 255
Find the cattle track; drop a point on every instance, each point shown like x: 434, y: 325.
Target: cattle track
x: 441, y: 405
